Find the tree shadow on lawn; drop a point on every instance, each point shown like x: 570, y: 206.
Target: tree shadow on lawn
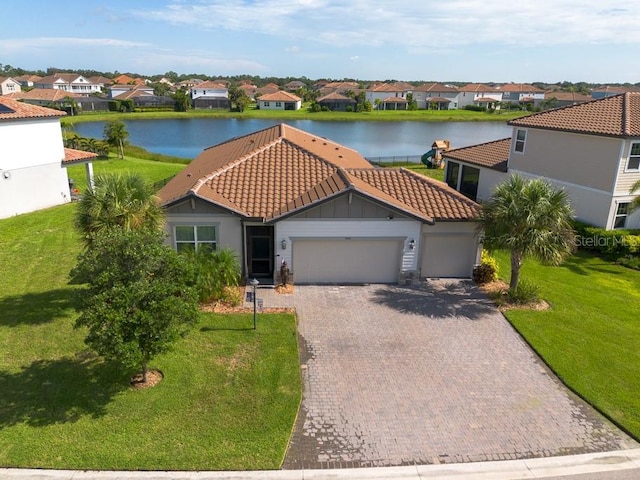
x: 35, y: 308
x: 49, y: 392
x: 437, y: 299
x: 582, y: 264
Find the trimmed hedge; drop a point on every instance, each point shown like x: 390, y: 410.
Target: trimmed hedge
x: 613, y: 244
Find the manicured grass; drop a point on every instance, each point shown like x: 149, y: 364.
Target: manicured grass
x: 591, y: 334
x: 304, y: 114
x: 436, y: 173
x: 228, y: 400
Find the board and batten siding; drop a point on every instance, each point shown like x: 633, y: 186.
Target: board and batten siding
x: 588, y: 160
x: 404, y: 230
x: 625, y: 179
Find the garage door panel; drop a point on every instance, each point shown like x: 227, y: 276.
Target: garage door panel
x: 448, y: 255
x: 346, y: 261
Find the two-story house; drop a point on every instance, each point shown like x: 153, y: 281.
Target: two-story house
x: 69, y: 82
x: 32, y: 165
x: 9, y: 85
x: 521, y: 94
x: 210, y: 94
x: 436, y: 96
x: 387, y: 96
x: 479, y: 95
x: 591, y: 150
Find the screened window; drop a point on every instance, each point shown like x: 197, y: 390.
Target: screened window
x: 622, y: 212
x: 469, y: 182
x: 195, y: 237
x: 634, y: 157
x: 521, y: 138
x: 453, y: 169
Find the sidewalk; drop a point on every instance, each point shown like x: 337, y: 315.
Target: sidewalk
x: 624, y: 461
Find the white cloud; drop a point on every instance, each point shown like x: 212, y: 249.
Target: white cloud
x: 411, y: 24
x: 57, y: 42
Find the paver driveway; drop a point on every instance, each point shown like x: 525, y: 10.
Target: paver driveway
x: 398, y: 375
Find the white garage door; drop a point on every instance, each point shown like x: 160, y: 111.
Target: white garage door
x: 448, y: 255
x: 346, y: 261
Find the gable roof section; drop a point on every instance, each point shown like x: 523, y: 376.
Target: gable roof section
x: 14, y: 109
x: 435, y: 87
x: 477, y: 87
x: 72, y: 156
x: 210, y: 86
x: 493, y: 155
x: 280, y: 170
x: 519, y: 88
x: 44, y: 94
x: 615, y: 116
x: 280, y: 97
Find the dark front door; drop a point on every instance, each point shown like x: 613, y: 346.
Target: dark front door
x: 260, y: 251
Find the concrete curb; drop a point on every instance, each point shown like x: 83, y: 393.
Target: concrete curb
x: 500, y: 470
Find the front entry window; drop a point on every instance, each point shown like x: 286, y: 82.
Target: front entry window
x: 195, y: 237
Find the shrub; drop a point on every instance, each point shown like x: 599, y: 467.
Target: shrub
x: 525, y: 292
x: 475, y: 108
x: 613, y: 244
x: 487, y: 271
x: 216, y: 270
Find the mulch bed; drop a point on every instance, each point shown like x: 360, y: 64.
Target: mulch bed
x: 497, y: 291
x: 223, y: 307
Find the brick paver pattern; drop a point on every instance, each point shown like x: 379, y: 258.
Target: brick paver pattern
x: 398, y: 375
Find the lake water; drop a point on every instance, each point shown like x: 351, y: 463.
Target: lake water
x: 188, y: 137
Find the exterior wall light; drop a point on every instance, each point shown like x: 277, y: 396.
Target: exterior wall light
x: 412, y: 244
x: 283, y: 244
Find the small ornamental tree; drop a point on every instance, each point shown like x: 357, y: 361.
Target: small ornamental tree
x: 138, y: 298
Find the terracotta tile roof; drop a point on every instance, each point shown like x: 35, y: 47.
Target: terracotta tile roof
x: 477, y: 87
x: 279, y: 170
x: 11, y: 109
x: 210, y: 85
x: 336, y: 96
x: 280, y: 97
x: 435, y: 87
x: 519, y: 88
x: 438, y: 99
x: 395, y: 100
x: 134, y: 93
x: 614, y: 89
x: 72, y: 156
x: 45, y: 94
x: 65, y: 77
x: 567, y: 96
x: 494, y: 155
x: 617, y: 116
x: 389, y: 87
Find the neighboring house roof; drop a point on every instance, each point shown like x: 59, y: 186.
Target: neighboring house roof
x: 280, y: 97
x: 494, y: 155
x: 99, y: 79
x: 617, y: 116
x: 438, y: 100
x: 435, y: 87
x: 485, y: 100
x: 72, y: 156
x: 336, y: 97
x: 124, y: 79
x: 66, y: 77
x: 134, y: 93
x: 44, y: 94
x: 613, y: 89
x: 11, y: 109
x: 394, y: 100
x: 519, y: 88
x: 281, y: 170
x: 28, y: 78
x: 390, y: 87
x: 210, y: 85
x: 476, y: 87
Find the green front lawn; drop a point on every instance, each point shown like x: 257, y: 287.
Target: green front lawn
x: 228, y: 400
x: 591, y: 334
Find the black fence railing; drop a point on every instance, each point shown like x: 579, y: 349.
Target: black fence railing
x: 395, y: 160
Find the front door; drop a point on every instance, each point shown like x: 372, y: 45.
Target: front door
x: 260, y: 251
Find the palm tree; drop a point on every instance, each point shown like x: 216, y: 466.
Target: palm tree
x: 115, y: 134
x: 530, y: 218
x: 635, y: 203
x: 123, y: 201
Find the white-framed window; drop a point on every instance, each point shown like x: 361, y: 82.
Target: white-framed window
x: 195, y: 237
x: 266, y: 104
x: 622, y: 212
x: 278, y: 104
x: 521, y: 139
x: 634, y: 157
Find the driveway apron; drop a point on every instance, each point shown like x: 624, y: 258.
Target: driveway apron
x: 424, y: 375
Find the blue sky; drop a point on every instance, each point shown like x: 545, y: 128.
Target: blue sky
x: 444, y: 40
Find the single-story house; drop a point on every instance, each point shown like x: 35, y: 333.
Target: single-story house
x: 336, y: 102
x: 9, y: 85
x: 284, y: 195
x: 279, y: 101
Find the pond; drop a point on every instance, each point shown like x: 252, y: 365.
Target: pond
x: 188, y: 137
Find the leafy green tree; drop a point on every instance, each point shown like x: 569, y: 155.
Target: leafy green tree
x: 125, y: 201
x: 412, y: 103
x: 530, y: 218
x: 239, y: 98
x: 115, y: 134
x: 182, y: 100
x: 138, y: 298
x: 161, y: 89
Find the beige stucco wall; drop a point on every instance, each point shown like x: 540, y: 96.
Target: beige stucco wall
x: 587, y: 160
